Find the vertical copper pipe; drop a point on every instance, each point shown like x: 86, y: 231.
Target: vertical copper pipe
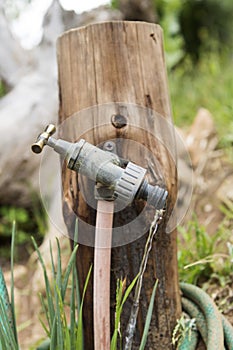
x: 102, y: 263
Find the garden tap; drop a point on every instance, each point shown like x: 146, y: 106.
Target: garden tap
x: 104, y: 167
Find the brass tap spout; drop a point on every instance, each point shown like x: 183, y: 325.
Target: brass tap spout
x: 42, y: 139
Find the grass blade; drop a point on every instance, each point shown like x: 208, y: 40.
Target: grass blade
x: 79, y: 342
x: 53, y: 335
x: 61, y: 320
x: 75, y: 296
x: 72, y: 311
x: 5, y: 298
x: 119, y: 293
x: 45, y: 312
x: 12, y: 281
x: 52, y: 261
x: 6, y: 326
x: 51, y: 312
x: 59, y: 268
x: 68, y: 270
x: 129, y: 289
x: 45, y: 345
x: 58, y: 299
x: 78, y: 298
x: 3, y: 344
x: 44, y: 327
x: 148, y: 317
x: 119, y: 306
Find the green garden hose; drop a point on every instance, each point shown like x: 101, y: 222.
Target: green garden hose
x: 215, y: 330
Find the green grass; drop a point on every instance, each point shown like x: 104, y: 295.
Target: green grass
x: 121, y: 298
x: 201, y: 256
x: 30, y: 221
x: 61, y: 306
x: 56, y: 325
x: 183, y: 328
x: 208, y: 85
x: 8, y: 332
x: 63, y: 329
x: 148, y: 317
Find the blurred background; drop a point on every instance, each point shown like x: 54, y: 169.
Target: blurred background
x: 198, y: 42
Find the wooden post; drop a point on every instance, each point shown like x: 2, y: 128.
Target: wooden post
x: 119, y: 64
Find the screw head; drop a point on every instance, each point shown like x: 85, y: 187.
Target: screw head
x: 109, y: 146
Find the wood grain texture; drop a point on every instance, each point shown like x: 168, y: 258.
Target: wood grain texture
x: 114, y: 67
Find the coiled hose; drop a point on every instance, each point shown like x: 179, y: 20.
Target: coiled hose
x: 215, y: 330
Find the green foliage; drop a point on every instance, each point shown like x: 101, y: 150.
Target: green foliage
x: 13, y: 236
x: 173, y: 41
x: 223, y: 267
x: 56, y: 325
x: 193, y: 28
x: 54, y: 306
x: 121, y: 298
x: 209, y: 85
x: 205, y: 25
x: 7, y: 338
x: 115, y: 4
x: 148, y: 317
x: 3, y: 89
x: 8, y: 333
x: 227, y: 209
x: 201, y: 256
x: 183, y: 328
x: 29, y: 221
x: 197, y: 246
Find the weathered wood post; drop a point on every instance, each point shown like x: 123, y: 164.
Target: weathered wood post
x: 116, y: 66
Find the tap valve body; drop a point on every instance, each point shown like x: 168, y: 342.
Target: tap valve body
x: 105, y: 168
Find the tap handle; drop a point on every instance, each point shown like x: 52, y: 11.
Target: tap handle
x: 43, y: 138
